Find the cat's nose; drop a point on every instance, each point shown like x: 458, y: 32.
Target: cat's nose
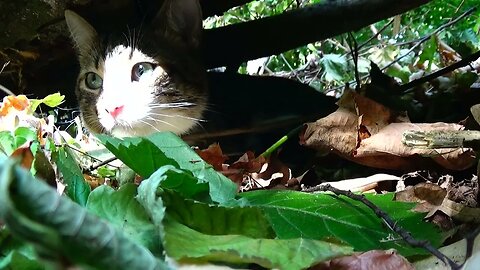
x: 115, y: 112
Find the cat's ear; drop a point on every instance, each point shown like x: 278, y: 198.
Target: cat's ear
x: 182, y: 21
x: 82, y: 33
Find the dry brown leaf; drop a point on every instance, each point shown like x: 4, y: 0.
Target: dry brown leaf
x: 457, y: 211
x: 427, y: 195
x: 24, y: 155
x: 274, y: 174
x: 374, y: 138
x: 213, y: 155
x: 374, y: 259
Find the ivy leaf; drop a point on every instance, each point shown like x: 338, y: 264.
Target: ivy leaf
x: 322, y: 216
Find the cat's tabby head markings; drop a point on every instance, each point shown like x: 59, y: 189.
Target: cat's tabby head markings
x: 145, y: 80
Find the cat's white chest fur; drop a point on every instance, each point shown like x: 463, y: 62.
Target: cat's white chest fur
x: 139, y: 113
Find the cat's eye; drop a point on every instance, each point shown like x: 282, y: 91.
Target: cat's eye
x: 141, y: 68
x: 93, y: 81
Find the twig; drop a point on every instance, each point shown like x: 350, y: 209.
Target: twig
x: 471, y: 241
x: 290, y: 67
x: 420, y: 41
x: 354, y: 51
x: 94, y: 166
x: 374, y: 36
x: 6, y: 90
x: 3, y: 88
x: 100, y: 164
x: 427, y: 37
x: 406, y: 236
x: 408, y: 87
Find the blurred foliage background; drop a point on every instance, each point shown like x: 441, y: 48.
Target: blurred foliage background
x: 326, y: 65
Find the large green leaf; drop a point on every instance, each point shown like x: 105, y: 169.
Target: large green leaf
x: 146, y: 155
x: 198, y: 231
x: 122, y: 210
x: 217, y: 220
x: 321, y: 216
x: 76, y: 186
x: 62, y: 229
x: 182, y: 242
x: 140, y: 154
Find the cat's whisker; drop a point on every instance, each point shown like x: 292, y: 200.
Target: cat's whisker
x: 173, y: 105
x: 178, y: 116
x: 161, y: 121
x: 152, y: 126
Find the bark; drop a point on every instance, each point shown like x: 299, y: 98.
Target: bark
x: 234, y: 44
x: 218, y: 7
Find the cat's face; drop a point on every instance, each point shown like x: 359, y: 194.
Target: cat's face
x: 133, y: 87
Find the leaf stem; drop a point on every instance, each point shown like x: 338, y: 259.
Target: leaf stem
x: 281, y: 141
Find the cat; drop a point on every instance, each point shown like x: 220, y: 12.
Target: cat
x: 145, y: 80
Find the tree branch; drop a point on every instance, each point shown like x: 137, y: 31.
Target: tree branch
x: 234, y: 44
x: 218, y: 7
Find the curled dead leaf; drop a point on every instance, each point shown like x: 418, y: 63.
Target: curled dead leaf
x: 374, y: 259
x: 376, y: 141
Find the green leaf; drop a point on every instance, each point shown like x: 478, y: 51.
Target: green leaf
x: 334, y: 66
x: 181, y: 242
x: 146, y: 155
x: 123, y: 211
x: 428, y: 52
x: 15, y: 254
x: 27, y: 134
x: 140, y: 154
x: 23, y: 135
x: 52, y: 101
x: 217, y: 220
x: 105, y: 171
x: 62, y: 229
x: 321, y: 216
x: 17, y: 261
x: 183, y: 182
x: 76, y: 188
x: 7, y: 142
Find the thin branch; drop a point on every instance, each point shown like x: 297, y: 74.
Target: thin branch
x: 427, y: 37
x: 419, y: 42
x: 354, y: 51
x: 406, y: 236
x: 102, y: 163
x: 3, y: 88
x: 6, y: 90
x: 464, y: 62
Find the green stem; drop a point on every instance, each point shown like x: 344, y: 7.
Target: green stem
x: 280, y: 142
